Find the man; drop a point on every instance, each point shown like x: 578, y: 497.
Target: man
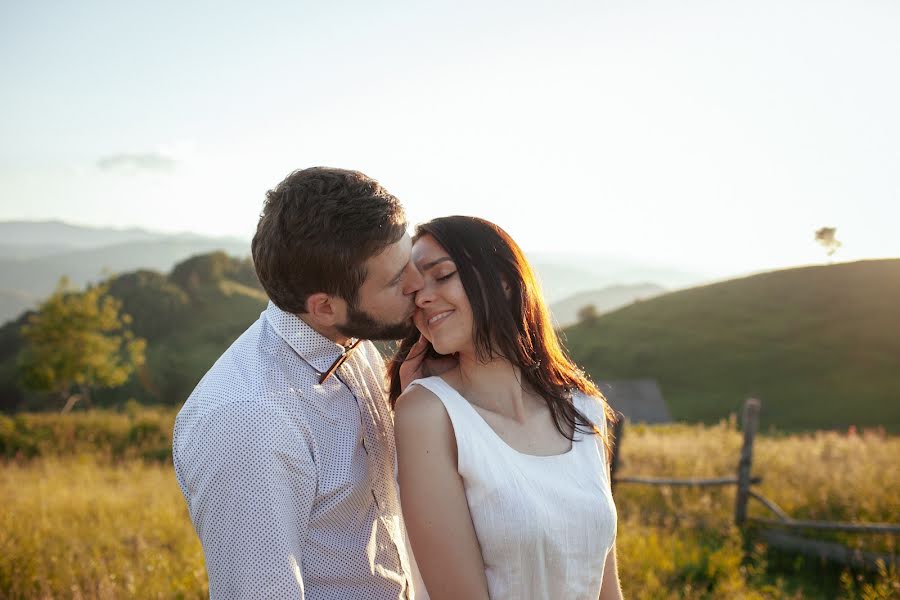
x: 285, y: 450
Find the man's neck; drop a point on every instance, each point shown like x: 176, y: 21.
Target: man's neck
x: 330, y: 332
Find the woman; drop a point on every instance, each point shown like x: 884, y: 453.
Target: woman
x: 502, y: 459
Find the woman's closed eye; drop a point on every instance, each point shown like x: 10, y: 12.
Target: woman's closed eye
x: 446, y: 276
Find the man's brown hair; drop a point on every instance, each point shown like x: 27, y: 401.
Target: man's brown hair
x: 316, y: 231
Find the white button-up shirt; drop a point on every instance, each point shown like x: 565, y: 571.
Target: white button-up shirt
x: 290, y: 483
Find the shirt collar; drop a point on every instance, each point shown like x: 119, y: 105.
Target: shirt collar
x: 322, y: 354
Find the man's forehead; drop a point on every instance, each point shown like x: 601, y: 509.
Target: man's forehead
x: 388, y: 263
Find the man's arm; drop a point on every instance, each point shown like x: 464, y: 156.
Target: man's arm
x: 250, y: 481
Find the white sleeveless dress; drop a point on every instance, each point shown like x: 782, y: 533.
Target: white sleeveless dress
x: 545, y: 523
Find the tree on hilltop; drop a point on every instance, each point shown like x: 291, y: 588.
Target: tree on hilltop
x: 79, y: 341
x: 825, y: 236
x: 588, y: 314
x: 193, y: 273
x: 156, y: 305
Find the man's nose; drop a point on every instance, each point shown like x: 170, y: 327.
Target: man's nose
x: 414, y: 281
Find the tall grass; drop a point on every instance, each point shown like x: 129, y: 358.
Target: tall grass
x: 89, y: 508
x: 83, y: 528
x: 681, y: 543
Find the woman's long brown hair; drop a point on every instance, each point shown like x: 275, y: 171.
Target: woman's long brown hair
x: 511, y: 323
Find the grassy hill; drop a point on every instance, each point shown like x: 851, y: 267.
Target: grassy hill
x: 820, y: 346
x: 188, y: 317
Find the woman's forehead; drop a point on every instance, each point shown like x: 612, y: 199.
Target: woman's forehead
x: 428, y: 242
x: 425, y: 250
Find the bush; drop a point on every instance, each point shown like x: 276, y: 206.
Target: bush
x: 109, y: 436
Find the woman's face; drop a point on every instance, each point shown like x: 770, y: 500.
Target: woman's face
x: 443, y: 315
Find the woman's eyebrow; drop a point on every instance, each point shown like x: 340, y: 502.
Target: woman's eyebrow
x: 433, y: 263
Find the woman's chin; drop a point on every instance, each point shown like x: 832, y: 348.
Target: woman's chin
x: 443, y: 349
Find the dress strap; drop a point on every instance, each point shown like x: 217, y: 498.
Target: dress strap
x: 463, y: 417
x: 457, y: 406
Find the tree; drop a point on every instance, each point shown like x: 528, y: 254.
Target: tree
x: 78, y: 341
x: 825, y: 237
x: 587, y: 314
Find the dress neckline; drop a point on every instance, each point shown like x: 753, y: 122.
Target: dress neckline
x: 494, y: 434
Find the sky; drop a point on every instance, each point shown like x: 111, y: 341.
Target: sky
x: 710, y: 136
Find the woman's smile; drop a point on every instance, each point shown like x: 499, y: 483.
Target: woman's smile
x: 433, y: 321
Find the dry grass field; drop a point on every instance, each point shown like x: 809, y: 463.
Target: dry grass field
x: 680, y: 543
x: 91, y: 509
x: 79, y: 528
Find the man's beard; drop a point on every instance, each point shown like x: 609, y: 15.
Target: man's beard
x: 360, y: 325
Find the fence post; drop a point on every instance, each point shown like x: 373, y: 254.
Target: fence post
x: 750, y: 423
x: 617, y: 430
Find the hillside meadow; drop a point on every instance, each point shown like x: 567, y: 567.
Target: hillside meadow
x: 820, y: 346
x: 91, y: 509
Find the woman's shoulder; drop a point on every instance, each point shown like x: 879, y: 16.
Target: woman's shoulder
x: 592, y: 407
x: 420, y: 409
x: 422, y: 424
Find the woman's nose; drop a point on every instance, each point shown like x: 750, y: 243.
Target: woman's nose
x: 424, y: 296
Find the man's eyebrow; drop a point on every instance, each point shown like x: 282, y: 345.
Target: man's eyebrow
x: 433, y: 263
x: 398, y: 275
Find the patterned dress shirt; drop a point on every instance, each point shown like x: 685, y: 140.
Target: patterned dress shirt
x: 291, y: 483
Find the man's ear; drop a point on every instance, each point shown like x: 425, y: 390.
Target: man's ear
x: 325, y: 310
x: 506, y: 288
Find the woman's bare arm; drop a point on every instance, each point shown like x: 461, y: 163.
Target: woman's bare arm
x: 434, y: 501
x: 610, y: 588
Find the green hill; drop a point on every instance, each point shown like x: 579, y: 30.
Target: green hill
x: 188, y: 317
x: 820, y: 346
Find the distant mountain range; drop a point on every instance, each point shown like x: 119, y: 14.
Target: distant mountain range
x: 48, y: 237
x: 34, y: 255
x: 563, y: 275
x: 565, y: 312
x: 14, y: 302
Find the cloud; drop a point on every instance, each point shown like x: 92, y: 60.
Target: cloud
x: 155, y: 162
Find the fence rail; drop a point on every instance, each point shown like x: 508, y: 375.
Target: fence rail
x: 684, y: 482
x: 771, y: 530
x: 831, y: 551
x: 830, y: 525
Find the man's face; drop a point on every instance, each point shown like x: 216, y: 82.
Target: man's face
x: 386, y: 300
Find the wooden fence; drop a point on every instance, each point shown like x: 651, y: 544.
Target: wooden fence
x: 780, y: 531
